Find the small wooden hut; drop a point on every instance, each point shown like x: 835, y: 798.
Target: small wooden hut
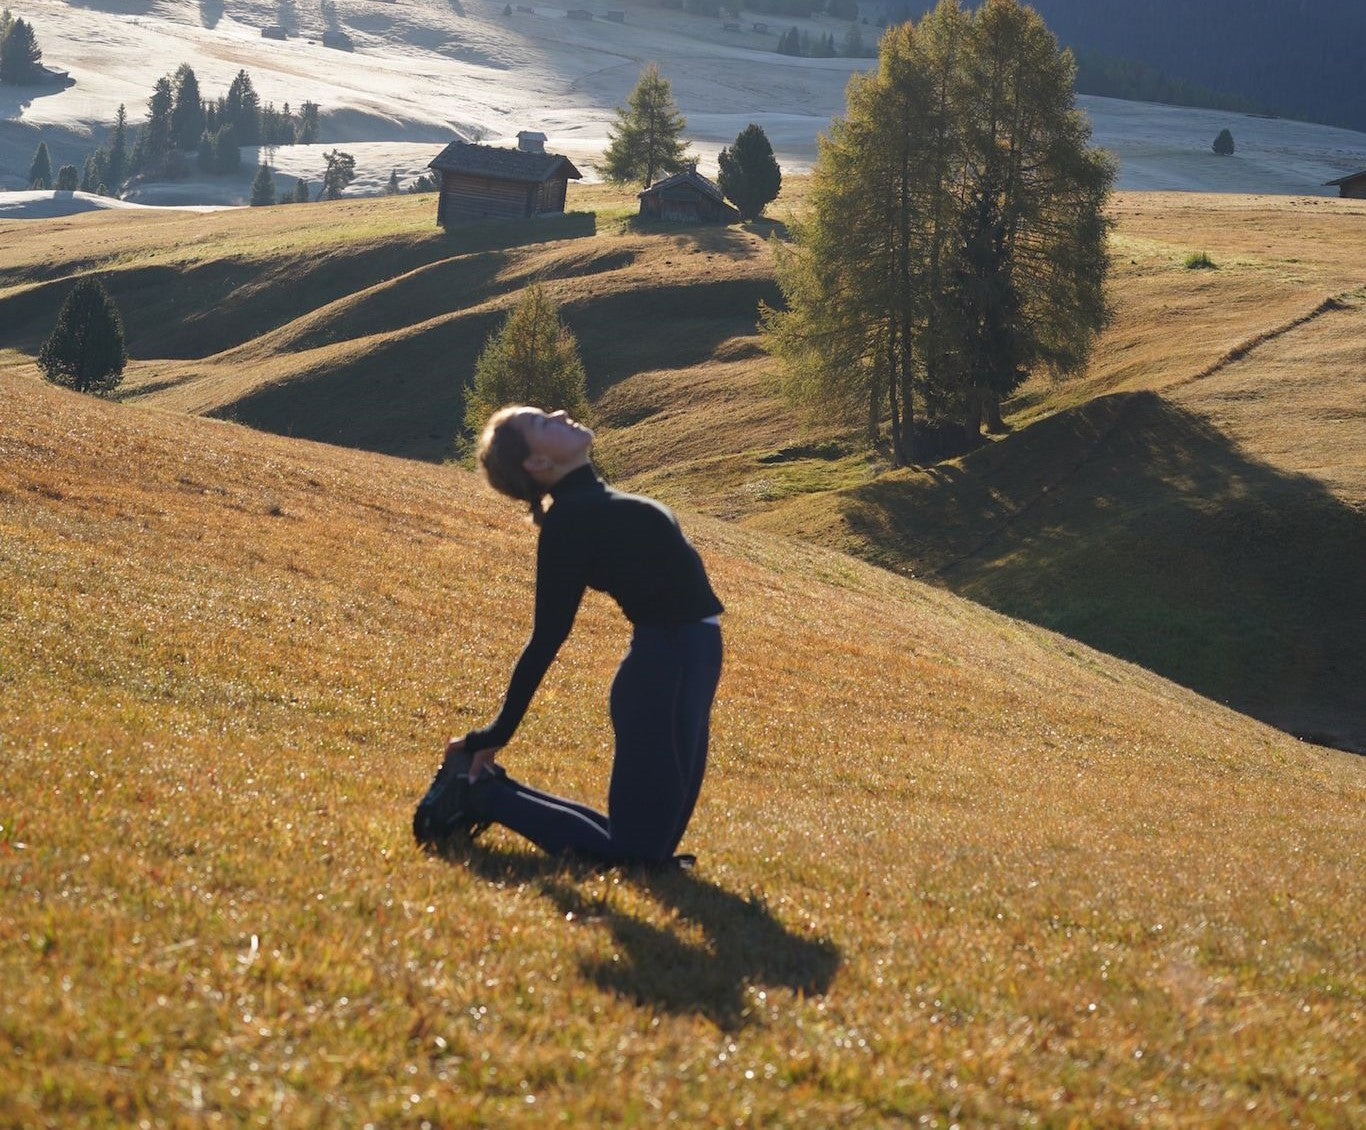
x: 1353, y: 185
x: 687, y: 197
x: 487, y: 182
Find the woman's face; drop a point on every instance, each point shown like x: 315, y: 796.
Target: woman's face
x: 553, y: 438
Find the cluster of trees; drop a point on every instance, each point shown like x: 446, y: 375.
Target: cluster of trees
x: 181, y: 121
x: 182, y: 125
x: 956, y: 234
x: 21, y: 59
x: 803, y: 44
x: 1139, y: 82
x: 646, y: 143
x: 1290, y: 55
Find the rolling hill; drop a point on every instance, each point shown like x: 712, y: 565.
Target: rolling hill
x: 953, y: 867
x: 1219, y: 426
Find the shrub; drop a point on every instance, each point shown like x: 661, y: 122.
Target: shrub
x: 532, y: 359
x: 85, y: 349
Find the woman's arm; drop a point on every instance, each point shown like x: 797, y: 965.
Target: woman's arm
x: 560, y: 572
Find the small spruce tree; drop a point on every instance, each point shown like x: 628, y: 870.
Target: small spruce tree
x: 85, y: 350
x: 749, y: 174
x: 301, y: 191
x: 1223, y: 144
x: 532, y: 359
x: 41, y: 167
x: 68, y: 179
x: 263, y: 187
x: 391, y: 187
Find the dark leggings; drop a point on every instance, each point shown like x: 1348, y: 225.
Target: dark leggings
x: 661, y: 710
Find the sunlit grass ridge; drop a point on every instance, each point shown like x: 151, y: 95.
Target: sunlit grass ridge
x: 951, y: 866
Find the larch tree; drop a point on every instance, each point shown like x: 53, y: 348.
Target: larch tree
x: 955, y: 239
x: 533, y: 358
x: 1033, y: 252
x: 646, y: 139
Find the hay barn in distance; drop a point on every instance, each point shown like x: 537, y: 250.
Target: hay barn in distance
x: 1353, y: 185
x: 687, y: 197
x: 489, y: 182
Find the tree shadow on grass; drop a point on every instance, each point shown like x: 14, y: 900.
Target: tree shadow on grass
x: 1137, y: 527
x: 743, y: 944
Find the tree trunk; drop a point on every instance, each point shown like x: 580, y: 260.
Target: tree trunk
x: 992, y: 403
x: 972, y: 416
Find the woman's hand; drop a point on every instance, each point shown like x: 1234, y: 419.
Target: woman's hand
x: 482, y: 759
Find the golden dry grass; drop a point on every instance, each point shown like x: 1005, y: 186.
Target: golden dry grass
x: 954, y: 869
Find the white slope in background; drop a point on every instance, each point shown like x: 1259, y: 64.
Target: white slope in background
x: 424, y: 70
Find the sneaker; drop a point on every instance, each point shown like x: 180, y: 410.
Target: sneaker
x: 444, y: 813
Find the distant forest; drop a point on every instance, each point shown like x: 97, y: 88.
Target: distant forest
x: 1298, y: 58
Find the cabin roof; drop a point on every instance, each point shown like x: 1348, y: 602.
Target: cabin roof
x: 1347, y: 178
x: 503, y: 164
x: 689, y: 178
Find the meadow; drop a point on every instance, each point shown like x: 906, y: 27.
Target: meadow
x: 954, y: 868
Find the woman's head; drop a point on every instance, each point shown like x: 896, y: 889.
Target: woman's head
x: 525, y: 451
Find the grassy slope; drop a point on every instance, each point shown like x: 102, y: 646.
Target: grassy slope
x: 952, y: 865
x: 1224, y: 558
x: 1196, y: 502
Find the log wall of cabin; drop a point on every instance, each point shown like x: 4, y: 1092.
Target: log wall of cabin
x: 466, y: 198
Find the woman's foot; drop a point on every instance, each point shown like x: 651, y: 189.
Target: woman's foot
x: 444, y: 813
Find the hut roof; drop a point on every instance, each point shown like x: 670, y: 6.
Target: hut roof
x: 689, y: 178
x: 1347, y: 178
x: 502, y: 164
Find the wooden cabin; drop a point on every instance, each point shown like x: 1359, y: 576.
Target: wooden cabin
x: 1353, y: 186
x: 488, y: 182
x: 687, y: 197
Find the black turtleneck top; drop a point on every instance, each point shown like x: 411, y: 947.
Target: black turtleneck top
x: 625, y: 545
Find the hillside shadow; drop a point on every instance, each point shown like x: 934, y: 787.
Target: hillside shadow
x: 743, y: 944
x: 663, y: 326
x: 1136, y: 527
x: 731, y: 240
x: 14, y: 99
x: 193, y: 311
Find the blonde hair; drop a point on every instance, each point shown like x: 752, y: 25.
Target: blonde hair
x: 502, y: 452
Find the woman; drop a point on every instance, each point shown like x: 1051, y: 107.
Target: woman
x: 631, y: 548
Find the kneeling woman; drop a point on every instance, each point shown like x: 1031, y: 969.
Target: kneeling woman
x: 631, y: 548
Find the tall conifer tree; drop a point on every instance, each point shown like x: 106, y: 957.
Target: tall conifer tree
x: 40, y: 168
x: 187, y: 114
x: 646, y: 140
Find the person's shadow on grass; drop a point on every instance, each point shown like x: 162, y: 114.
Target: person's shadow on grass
x: 742, y: 943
